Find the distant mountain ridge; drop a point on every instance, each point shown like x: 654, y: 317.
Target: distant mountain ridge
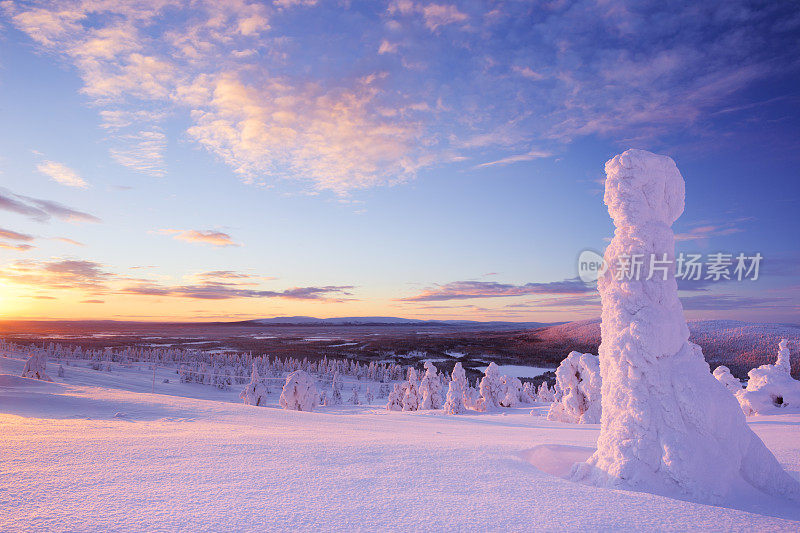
x: 736, y: 344
x: 385, y: 320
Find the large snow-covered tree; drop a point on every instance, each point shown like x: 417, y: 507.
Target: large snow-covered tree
x: 299, y: 392
x: 667, y: 424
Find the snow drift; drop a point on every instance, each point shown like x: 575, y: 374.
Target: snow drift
x: 667, y: 425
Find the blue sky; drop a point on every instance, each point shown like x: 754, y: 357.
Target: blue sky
x: 420, y: 159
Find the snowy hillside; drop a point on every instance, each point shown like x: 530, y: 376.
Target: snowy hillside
x: 97, y: 451
x: 738, y: 345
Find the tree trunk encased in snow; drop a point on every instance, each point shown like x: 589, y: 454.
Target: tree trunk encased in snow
x: 667, y: 425
x: 771, y: 389
x: 577, y: 397
x: 299, y: 392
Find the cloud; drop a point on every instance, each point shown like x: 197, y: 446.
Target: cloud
x: 58, y: 274
x: 706, y: 232
x: 278, y: 104
x: 460, y: 290
x: 69, y: 241
x: 41, y: 210
x: 14, y: 236
x: 727, y: 302
x: 92, y: 278
x: 62, y: 174
x: 17, y: 247
x: 214, y: 238
x: 93, y: 301
x: 224, y: 291
x: 528, y: 156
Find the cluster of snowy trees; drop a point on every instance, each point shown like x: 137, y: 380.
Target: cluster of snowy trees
x: 494, y: 391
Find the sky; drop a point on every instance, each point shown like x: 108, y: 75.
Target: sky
x: 202, y: 160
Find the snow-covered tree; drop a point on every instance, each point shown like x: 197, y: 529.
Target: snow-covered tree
x: 577, y: 397
x: 60, y: 372
x: 528, y: 395
x: 545, y: 393
x: 491, y: 389
x: 36, y: 366
x: 431, y: 388
x: 354, y: 399
x: 512, y: 389
x: 299, y: 392
x: 255, y: 392
x: 771, y: 388
x: 411, y: 395
x: 455, y: 391
x: 336, y: 390
x: 667, y: 424
x: 724, y: 376
x: 369, y: 397
x: 395, y: 402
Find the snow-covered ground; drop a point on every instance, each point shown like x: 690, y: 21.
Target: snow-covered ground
x: 97, y: 451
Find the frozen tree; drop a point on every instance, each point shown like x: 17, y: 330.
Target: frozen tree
x: 36, y: 366
x: 577, y: 397
x: 771, y: 388
x: 431, y: 388
x: 411, y: 395
x: 724, y: 376
x: 323, y: 398
x: 528, y: 394
x: 255, y: 392
x: 354, y: 399
x: 395, y: 402
x: 491, y: 389
x: 471, y: 397
x: 667, y: 424
x: 336, y: 390
x: 545, y: 393
x: 299, y: 392
x: 369, y: 397
x: 60, y: 372
x: 512, y: 389
x: 383, y: 391
x: 455, y: 391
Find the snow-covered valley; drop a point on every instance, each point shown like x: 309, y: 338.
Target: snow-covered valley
x: 97, y: 450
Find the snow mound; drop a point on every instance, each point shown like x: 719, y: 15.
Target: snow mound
x: 771, y: 388
x: 16, y: 382
x: 667, y: 425
x: 556, y: 459
x: 577, y: 398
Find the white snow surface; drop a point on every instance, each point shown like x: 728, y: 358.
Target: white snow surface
x: 667, y: 425
x: 82, y: 454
